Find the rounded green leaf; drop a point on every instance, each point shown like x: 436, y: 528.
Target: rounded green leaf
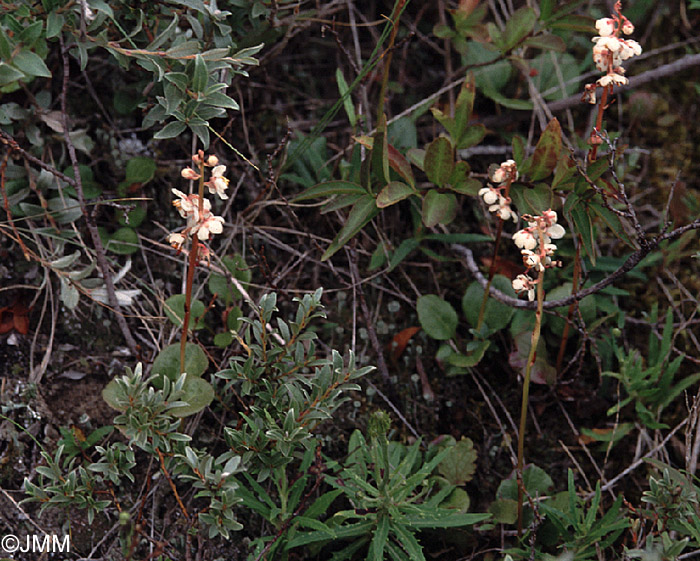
x: 197, y: 393
x: 496, y: 315
x: 167, y: 363
x: 175, y: 310
x: 140, y: 170
x: 439, y: 208
x: 114, y: 395
x: 124, y: 241
x: 437, y: 317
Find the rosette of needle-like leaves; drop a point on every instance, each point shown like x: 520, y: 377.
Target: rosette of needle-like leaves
x: 287, y: 387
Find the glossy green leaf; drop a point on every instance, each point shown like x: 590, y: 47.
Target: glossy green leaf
x: 361, y: 213
x: 437, y: 317
x: 438, y: 208
x: 394, y: 192
x: 439, y: 161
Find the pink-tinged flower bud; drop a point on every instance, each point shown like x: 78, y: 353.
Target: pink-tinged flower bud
x: 627, y: 27
x: 198, y: 158
x: 605, y: 26
x: 189, y: 173
x: 212, y: 161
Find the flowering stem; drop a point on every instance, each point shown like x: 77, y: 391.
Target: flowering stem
x: 191, y: 265
x: 492, y: 268
x: 526, y: 393
x: 572, y: 307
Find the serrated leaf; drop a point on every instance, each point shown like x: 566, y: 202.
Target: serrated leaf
x: 459, y: 465
x: 437, y: 317
x: 361, y: 213
x: 438, y: 208
x: 394, y: 192
x: 439, y: 161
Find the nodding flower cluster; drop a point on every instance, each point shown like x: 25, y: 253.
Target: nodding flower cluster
x: 610, y: 51
x: 535, y: 243
x: 200, y: 220
x: 499, y: 202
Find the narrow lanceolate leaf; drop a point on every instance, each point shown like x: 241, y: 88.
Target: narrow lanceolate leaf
x: 544, y: 159
x: 400, y: 165
x: 394, y: 192
x: 439, y: 161
x: 361, y: 213
x: 201, y: 76
x: 584, y: 227
x: 330, y: 188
